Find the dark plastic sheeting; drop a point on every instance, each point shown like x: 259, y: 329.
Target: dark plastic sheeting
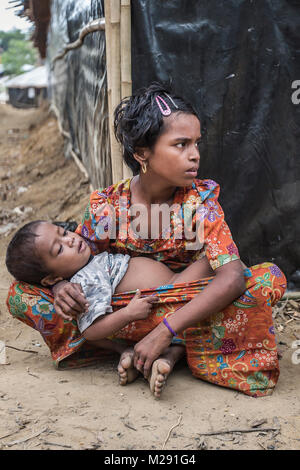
x: 236, y: 61
x: 78, y: 84
x: 20, y: 97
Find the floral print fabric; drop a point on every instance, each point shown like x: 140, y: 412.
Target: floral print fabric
x: 235, y: 348
x: 195, y: 210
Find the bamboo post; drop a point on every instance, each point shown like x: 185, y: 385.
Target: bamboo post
x: 125, y: 46
x: 112, y: 36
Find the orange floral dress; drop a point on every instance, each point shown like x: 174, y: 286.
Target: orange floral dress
x: 235, y: 348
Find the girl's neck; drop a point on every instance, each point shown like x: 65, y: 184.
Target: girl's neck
x: 152, y: 191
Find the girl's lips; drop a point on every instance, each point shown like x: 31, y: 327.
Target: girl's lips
x: 192, y: 172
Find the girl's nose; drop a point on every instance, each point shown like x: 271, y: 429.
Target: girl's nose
x: 194, y: 154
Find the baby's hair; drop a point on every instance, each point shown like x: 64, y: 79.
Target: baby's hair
x: 22, y: 260
x: 138, y: 119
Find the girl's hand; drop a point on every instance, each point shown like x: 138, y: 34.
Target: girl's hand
x: 139, y: 307
x: 150, y: 348
x: 69, y: 300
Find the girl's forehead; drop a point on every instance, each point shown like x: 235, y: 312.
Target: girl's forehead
x: 181, y: 122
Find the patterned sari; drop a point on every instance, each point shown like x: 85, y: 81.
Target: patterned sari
x: 234, y: 348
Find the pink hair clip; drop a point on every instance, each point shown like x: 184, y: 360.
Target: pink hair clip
x: 167, y: 110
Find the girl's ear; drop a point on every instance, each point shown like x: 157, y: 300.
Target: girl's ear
x: 50, y: 280
x: 141, y: 155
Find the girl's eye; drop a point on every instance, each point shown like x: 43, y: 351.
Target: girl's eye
x: 180, y: 144
x: 65, y: 233
x: 60, y: 250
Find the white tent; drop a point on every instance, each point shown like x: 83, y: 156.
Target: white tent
x: 27, y: 90
x: 36, y: 78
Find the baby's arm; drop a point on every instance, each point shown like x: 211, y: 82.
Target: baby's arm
x: 106, y: 325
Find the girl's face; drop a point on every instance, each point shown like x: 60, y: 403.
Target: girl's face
x: 175, y: 158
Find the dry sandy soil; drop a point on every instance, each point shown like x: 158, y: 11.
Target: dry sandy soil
x: 42, y: 408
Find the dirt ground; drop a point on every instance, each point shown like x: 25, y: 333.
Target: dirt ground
x: 42, y: 408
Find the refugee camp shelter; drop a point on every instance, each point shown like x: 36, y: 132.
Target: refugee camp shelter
x: 237, y: 62
x: 28, y: 89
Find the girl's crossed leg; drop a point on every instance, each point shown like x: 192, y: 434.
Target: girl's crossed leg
x: 144, y: 273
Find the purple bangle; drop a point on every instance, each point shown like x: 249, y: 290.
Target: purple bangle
x: 169, y: 327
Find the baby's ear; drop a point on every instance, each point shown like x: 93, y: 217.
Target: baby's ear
x: 50, y: 280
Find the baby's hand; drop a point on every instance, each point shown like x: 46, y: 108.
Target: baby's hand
x: 139, y: 307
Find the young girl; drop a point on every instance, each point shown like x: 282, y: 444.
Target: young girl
x: 160, y: 134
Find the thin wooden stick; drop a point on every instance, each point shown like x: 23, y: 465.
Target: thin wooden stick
x: 22, y: 350
x: 291, y: 295
x: 125, y: 44
x: 20, y: 441
x: 228, y: 431
x: 94, y: 25
x: 10, y: 434
x: 171, y: 429
x: 58, y: 445
x: 112, y: 36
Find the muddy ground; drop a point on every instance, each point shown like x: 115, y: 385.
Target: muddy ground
x: 42, y: 408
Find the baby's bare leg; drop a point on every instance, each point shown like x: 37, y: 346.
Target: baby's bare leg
x: 109, y: 345
x: 197, y: 270
x: 126, y: 370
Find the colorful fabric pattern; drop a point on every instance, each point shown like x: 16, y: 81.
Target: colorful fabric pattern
x: 235, y: 348
x: 196, y: 210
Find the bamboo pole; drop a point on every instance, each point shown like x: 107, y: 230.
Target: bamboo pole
x: 125, y: 46
x: 112, y: 36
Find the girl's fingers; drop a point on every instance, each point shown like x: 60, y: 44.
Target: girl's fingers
x: 68, y: 305
x: 60, y: 312
x: 138, y: 362
x: 147, y: 367
x: 75, y: 292
x: 152, y: 300
x: 74, y: 300
x: 66, y: 309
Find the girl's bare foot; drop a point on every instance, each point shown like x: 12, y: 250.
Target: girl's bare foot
x: 162, y: 367
x: 126, y: 370
x: 160, y: 371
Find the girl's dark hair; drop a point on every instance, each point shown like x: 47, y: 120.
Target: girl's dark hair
x: 138, y: 121
x: 22, y: 260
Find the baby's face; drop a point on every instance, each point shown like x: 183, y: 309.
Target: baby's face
x: 63, y: 253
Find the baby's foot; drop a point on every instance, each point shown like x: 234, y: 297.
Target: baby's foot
x: 161, y: 369
x: 126, y: 369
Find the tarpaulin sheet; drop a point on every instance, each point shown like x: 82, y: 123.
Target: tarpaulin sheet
x: 78, y: 86
x: 26, y: 97
x: 236, y: 60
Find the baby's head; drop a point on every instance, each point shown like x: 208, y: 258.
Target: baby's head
x: 44, y: 253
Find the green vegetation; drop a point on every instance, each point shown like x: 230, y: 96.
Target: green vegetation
x: 17, y: 51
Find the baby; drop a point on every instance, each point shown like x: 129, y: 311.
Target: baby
x: 44, y: 253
